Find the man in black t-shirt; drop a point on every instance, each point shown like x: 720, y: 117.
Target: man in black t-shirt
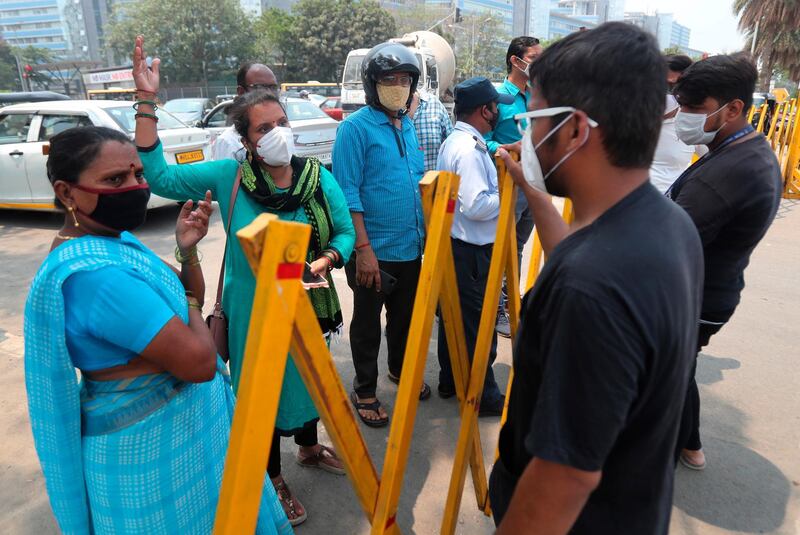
x: 608, y: 334
x: 731, y: 194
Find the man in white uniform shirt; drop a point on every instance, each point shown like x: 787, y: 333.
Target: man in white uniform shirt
x: 465, y: 153
x: 250, y: 76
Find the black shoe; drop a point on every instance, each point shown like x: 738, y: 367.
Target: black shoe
x: 492, y: 409
x: 444, y: 393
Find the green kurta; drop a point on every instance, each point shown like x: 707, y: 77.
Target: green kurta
x: 183, y: 182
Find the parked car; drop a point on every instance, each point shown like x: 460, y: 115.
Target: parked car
x: 30, y: 96
x: 25, y: 130
x: 314, y: 132
x: 333, y: 107
x: 189, y: 110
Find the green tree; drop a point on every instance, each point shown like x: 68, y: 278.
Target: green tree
x: 197, y: 40
x: 773, y: 25
x: 322, y: 32
x: 674, y: 51
x: 275, y: 44
x: 480, y: 46
x: 9, y: 75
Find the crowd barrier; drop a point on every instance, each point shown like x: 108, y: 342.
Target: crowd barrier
x: 783, y: 134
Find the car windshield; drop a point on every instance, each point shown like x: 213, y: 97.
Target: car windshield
x: 303, y: 110
x: 124, y: 116
x: 184, y: 106
x: 352, y: 70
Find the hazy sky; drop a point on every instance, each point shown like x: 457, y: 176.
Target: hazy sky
x: 712, y: 22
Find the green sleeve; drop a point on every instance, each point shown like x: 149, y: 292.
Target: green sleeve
x: 344, y: 234
x: 187, y: 181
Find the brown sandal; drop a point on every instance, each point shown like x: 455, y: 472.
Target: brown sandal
x: 289, y: 503
x: 325, y: 459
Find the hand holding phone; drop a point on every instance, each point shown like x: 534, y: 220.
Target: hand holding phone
x: 310, y: 280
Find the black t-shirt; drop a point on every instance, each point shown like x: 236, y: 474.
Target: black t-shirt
x: 602, y: 361
x: 732, y: 196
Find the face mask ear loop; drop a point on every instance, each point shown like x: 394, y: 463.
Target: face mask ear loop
x: 551, y: 132
x: 569, y: 154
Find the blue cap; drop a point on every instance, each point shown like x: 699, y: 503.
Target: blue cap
x: 477, y: 92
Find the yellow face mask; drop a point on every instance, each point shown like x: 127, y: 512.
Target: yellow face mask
x: 393, y: 97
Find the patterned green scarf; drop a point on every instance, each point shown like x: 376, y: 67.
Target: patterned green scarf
x: 305, y: 192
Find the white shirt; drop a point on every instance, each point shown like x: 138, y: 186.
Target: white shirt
x: 464, y: 152
x: 228, y: 146
x: 672, y: 157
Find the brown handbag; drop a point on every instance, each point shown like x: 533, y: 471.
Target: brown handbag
x: 216, y: 321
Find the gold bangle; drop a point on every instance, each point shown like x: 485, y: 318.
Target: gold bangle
x: 192, y: 258
x: 196, y: 306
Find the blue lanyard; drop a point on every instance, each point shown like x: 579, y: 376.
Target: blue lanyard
x: 727, y: 141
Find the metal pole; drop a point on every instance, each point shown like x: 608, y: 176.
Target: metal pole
x: 19, y: 71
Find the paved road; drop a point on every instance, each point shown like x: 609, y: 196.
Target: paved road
x: 749, y: 385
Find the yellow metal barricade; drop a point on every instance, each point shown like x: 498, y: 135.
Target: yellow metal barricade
x: 283, y: 317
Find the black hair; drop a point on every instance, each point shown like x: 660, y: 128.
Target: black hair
x: 241, y: 106
x: 723, y: 78
x: 678, y: 62
x: 241, y: 74
x: 73, y: 150
x: 569, y: 73
x: 518, y: 47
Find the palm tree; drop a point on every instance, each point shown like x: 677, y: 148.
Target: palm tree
x: 772, y: 25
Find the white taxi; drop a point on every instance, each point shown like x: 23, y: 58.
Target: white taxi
x: 25, y: 130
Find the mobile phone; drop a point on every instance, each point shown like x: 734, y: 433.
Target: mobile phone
x: 313, y: 281
x: 388, y: 282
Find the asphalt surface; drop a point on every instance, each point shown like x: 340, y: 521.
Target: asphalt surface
x: 749, y: 382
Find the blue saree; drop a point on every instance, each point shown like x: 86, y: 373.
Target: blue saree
x: 140, y: 455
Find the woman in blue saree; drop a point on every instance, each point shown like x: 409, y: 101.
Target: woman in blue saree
x: 138, y: 446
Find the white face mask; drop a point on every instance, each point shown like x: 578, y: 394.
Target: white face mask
x: 527, y: 69
x: 531, y: 167
x: 690, y: 127
x: 276, y: 147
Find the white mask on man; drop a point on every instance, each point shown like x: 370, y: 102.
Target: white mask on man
x: 276, y: 147
x: 690, y: 127
x: 531, y: 168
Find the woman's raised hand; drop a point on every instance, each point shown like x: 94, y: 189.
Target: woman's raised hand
x: 146, y: 79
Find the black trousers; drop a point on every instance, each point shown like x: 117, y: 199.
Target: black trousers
x: 307, y: 437
x: 472, y: 270
x: 365, y: 327
x: 689, y: 432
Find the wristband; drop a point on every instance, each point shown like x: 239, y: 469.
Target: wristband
x: 365, y: 244
x: 148, y: 102
x: 146, y: 116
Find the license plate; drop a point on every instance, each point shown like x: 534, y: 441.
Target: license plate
x: 189, y: 157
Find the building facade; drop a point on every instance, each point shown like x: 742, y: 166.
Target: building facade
x: 663, y: 26
x: 35, y: 23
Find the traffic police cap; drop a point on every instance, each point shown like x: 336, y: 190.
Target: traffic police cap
x: 479, y: 91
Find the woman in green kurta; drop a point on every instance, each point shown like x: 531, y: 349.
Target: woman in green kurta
x: 273, y: 180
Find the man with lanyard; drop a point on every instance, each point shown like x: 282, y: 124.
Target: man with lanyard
x: 521, y: 53
x: 731, y: 194
x: 378, y: 163
x: 465, y: 153
x: 228, y: 144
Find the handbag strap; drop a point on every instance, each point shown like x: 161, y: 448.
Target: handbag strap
x: 234, y: 191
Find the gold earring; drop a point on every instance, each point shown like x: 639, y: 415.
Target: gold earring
x: 74, y: 217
